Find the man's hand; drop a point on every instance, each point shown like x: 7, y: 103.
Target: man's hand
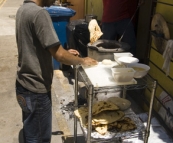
x: 89, y: 61
x: 86, y: 61
x: 74, y: 52
x: 67, y: 57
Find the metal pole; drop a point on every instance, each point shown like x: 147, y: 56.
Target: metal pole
x: 90, y: 98
x: 124, y: 91
x: 147, y: 133
x: 76, y: 102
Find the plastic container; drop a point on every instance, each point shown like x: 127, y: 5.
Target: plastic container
x: 123, y: 74
x: 60, y: 17
x: 105, y: 49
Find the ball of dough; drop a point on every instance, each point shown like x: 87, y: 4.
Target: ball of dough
x: 107, y: 62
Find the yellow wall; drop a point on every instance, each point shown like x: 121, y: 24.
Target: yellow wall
x: 97, y: 8
x: 83, y: 7
x: 156, y: 59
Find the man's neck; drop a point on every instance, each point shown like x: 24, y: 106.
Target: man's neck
x: 38, y: 2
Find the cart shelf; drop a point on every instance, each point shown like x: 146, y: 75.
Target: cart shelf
x: 93, y: 136
x: 114, y: 135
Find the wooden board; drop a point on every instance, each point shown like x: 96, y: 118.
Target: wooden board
x: 79, y: 7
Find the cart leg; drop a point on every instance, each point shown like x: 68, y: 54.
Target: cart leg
x: 90, y: 99
x: 124, y: 91
x: 76, y: 103
x: 147, y: 133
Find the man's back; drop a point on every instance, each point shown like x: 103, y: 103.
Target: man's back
x: 33, y: 25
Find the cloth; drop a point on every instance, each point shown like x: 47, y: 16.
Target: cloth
x: 34, y: 35
x: 115, y: 10
x: 114, y: 30
x: 157, y: 132
x: 37, y: 115
x: 167, y: 55
x: 95, y: 31
x: 166, y: 109
x: 116, y: 21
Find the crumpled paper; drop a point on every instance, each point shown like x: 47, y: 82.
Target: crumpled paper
x: 95, y: 31
x: 167, y: 55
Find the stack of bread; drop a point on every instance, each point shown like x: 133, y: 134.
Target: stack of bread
x: 106, y: 115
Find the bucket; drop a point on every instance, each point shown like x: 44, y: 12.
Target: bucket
x: 60, y: 18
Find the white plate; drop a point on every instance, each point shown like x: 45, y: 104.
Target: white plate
x: 128, y: 60
x: 125, y: 54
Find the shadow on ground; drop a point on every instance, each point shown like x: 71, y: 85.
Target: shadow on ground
x: 21, y: 136
x: 70, y: 139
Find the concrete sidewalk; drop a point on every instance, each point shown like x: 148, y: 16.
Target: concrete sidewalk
x: 1, y: 2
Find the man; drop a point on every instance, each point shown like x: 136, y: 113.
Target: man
x: 37, y: 42
x: 116, y: 21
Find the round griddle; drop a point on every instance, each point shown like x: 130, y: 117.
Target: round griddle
x: 160, y: 32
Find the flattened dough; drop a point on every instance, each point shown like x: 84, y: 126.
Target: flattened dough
x: 122, y: 103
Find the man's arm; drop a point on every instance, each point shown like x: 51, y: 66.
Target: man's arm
x: 65, y: 57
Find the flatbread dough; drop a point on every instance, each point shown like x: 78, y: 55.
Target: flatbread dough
x: 101, y: 129
x: 125, y: 124
x: 107, y: 62
x: 82, y: 114
x: 95, y: 31
x: 122, y: 103
x: 103, y: 106
x: 107, y: 117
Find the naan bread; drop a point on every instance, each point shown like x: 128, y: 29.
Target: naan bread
x: 95, y: 31
x: 101, y: 129
x: 107, y: 117
x: 103, y: 106
x: 125, y: 124
x: 122, y: 103
x: 82, y: 114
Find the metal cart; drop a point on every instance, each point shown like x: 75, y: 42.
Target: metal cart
x: 142, y: 83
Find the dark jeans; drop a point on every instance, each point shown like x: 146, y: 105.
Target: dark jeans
x: 37, y: 115
x: 114, y: 30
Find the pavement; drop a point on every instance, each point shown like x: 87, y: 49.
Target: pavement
x: 1, y: 2
x: 10, y: 112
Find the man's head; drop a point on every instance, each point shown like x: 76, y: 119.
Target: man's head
x: 47, y: 2
x: 43, y: 3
